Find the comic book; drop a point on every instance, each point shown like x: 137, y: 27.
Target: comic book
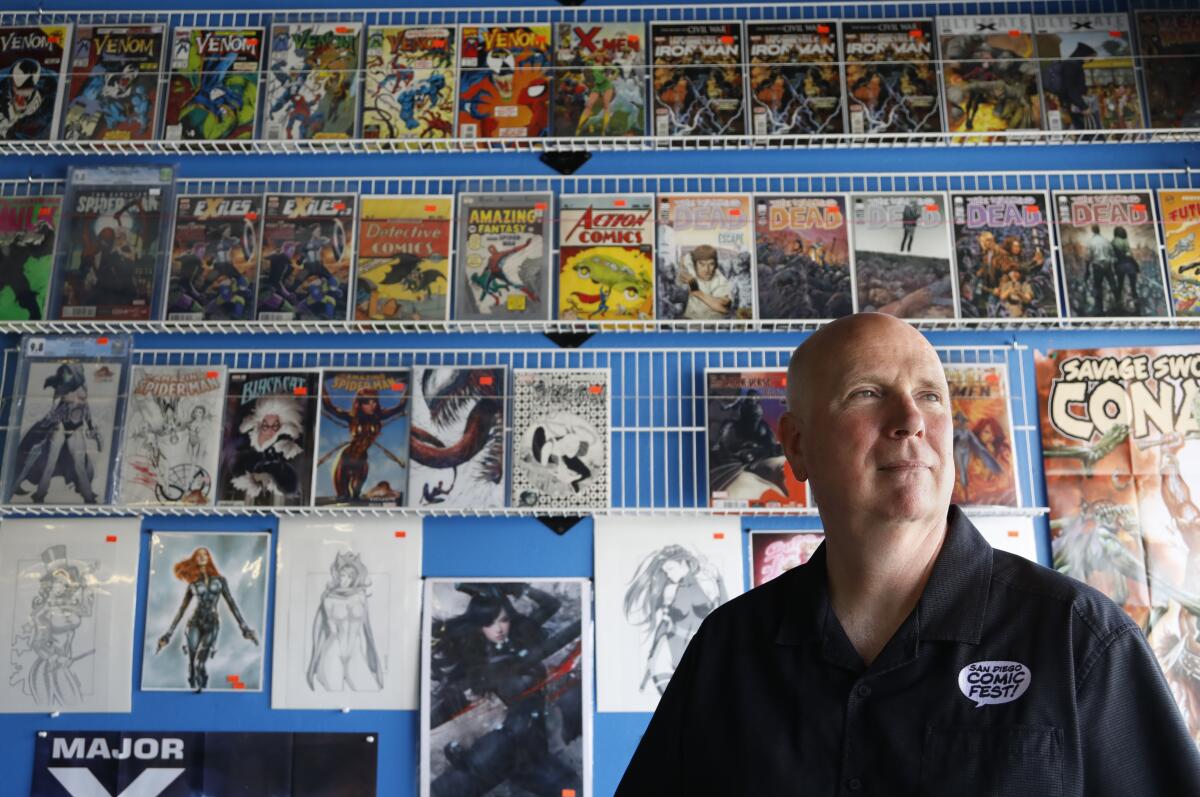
x: 214, y: 258
x: 502, y: 257
x: 560, y: 427
x: 313, y: 80
x: 1002, y: 247
x: 267, y: 439
x: 698, y: 79
x: 705, y: 257
x: 33, y: 74
x: 1111, y: 265
x: 773, y: 553
x: 606, y: 257
x: 1088, y: 82
x: 989, y: 73
x: 1169, y: 49
x: 504, y: 81
x: 600, y: 80
x: 1181, y: 222
x: 410, y: 83
x: 746, y: 464
x: 891, y: 76
x: 802, y: 267
x: 115, y: 73
x: 795, y: 78
x: 984, y: 454
x: 172, y: 436
x: 306, y: 257
x: 902, y: 255
x: 28, y: 228
x: 403, y: 269
x: 362, y: 438
x: 213, y: 90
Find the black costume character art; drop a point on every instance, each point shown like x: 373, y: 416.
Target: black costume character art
x: 57, y: 444
x: 264, y: 471
x: 746, y: 457
x: 22, y: 248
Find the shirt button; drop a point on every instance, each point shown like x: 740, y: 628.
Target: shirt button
x: 862, y: 690
x: 854, y: 784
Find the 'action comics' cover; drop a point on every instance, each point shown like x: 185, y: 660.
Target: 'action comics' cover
x: 1088, y: 82
x: 307, y: 252
x: 403, y: 270
x: 213, y: 89
x: 984, y: 456
x: 503, y: 256
x: 504, y: 79
x: 362, y: 439
x: 989, y: 73
x: 902, y: 261
x: 214, y: 257
x: 705, y: 257
x: 606, y: 256
x: 410, y: 83
x: 28, y: 226
x: 795, y: 78
x: 314, y: 79
x: 698, y: 79
x: 891, y: 76
x: 33, y: 64
x: 803, y: 263
x: 113, y: 91
x: 600, y: 80
x: 1181, y: 222
x: 1169, y: 46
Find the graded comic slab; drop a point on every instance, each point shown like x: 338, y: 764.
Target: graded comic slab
x: 362, y: 438
x: 746, y: 464
x: 28, y: 230
x: 267, y: 439
x: 33, y: 67
x: 113, y: 88
x: 802, y: 260
x: 313, y: 78
x: 347, y: 614
x: 403, y: 267
x: 1088, y: 80
x: 698, y: 79
x: 891, y: 76
x: 902, y: 263
x: 506, y: 687
x: 795, y: 78
x: 1013, y: 533
x: 502, y: 257
x: 307, y: 257
x: 1181, y: 222
x: 172, y: 436
x: 1169, y: 49
x: 560, y: 445
x: 1111, y: 262
x: 656, y: 581
x: 1004, y: 255
x: 410, y: 83
x: 984, y: 454
x: 206, y: 611
x: 66, y: 627
x: 458, y: 439
x: 599, y: 79
x: 504, y: 76
x: 214, y: 258
x: 212, y: 93
x: 606, y: 257
x: 705, y: 257
x: 773, y: 553
x: 989, y: 73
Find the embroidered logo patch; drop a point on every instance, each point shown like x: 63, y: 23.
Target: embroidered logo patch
x: 993, y: 682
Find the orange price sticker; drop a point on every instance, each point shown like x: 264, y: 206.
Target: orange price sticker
x: 111, y: 538
x: 1139, y: 208
x: 431, y: 208
x: 342, y: 29
x: 1014, y: 32
x: 486, y: 380
x: 45, y: 211
x: 916, y: 33
x: 102, y: 341
x: 718, y: 535
x: 1014, y: 533
x: 397, y: 386
x: 252, y: 42
x: 992, y: 378
x: 401, y: 535
x: 726, y: 39
x: 340, y: 206
x: 568, y: 793
x: 1032, y: 209
x: 633, y: 39
x: 539, y: 206
x: 735, y: 211
x: 620, y: 203
x: 1116, y: 34
x: 932, y: 207
x: 300, y: 391
x: 439, y: 42
x: 211, y: 375
x: 239, y: 685
x: 596, y: 389
x: 823, y: 30
x: 251, y: 216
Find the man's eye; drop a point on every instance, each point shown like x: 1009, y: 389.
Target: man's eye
x: 932, y: 397
x: 866, y: 392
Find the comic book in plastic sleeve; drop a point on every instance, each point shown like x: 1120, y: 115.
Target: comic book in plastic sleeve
x: 599, y: 80
x: 606, y: 257
x: 990, y: 75
x: 214, y: 85
x: 502, y: 257
x: 698, y: 79
x: 1169, y: 49
x: 505, y: 78
x: 113, y: 91
x: 313, y: 78
x: 403, y: 267
x: 705, y: 257
x: 214, y: 258
x: 1088, y: 79
x: 307, y: 257
x: 984, y: 450
x: 410, y: 83
x: 795, y: 78
x: 774, y: 552
x: 803, y: 259
x: 891, y: 76
x: 1181, y: 222
x: 28, y: 230
x: 33, y: 75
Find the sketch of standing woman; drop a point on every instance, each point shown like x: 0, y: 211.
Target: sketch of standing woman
x: 343, y: 651
x: 63, y: 601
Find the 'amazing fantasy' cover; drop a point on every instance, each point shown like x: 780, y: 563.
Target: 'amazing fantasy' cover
x: 803, y: 261
x: 606, y: 257
x: 28, y: 227
x: 362, y: 439
x: 989, y: 73
x: 307, y: 253
x: 705, y: 257
x: 33, y: 66
x: 795, y: 78
x: 891, y: 76
x: 1181, y: 223
x: 600, y: 80
x: 113, y: 90
x: 213, y: 90
x: 403, y: 269
x: 698, y: 79
x: 984, y: 455
x: 410, y: 83
x: 214, y: 258
x: 505, y: 81
x: 502, y: 257
x: 313, y: 77
x: 1169, y: 48
x: 1088, y: 82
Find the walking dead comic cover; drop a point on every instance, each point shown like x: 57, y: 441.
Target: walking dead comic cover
x: 1088, y: 82
x: 606, y: 257
x: 505, y: 81
x: 33, y: 67
x: 773, y: 553
x: 503, y: 256
x: 795, y: 78
x: 698, y: 79
x: 1169, y: 47
x: 989, y: 73
x: 362, y: 438
x: 112, y: 94
x: 600, y: 80
x: 313, y: 80
x: 403, y: 268
x: 984, y: 454
x: 307, y: 256
x: 28, y: 228
x: 802, y: 267
x: 410, y: 83
x: 1181, y: 223
x: 213, y: 90
x: 705, y: 257
x: 891, y: 76
x: 214, y: 258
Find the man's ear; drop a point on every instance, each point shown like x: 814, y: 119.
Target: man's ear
x: 793, y: 445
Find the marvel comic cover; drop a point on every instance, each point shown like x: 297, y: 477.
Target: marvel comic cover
x: 506, y: 687
x: 212, y: 93
x: 410, y: 83
x: 902, y: 255
x: 172, y: 436
x: 795, y: 78
x: 773, y: 553
x: 1002, y: 247
x: 306, y: 257
x: 698, y: 79
x: 214, y: 258
x: 1111, y: 265
x: 403, y: 268
x: 313, y: 78
x: 28, y: 228
x: 1088, y: 82
x: 746, y: 464
x: 502, y: 269
x: 33, y: 66
x: 267, y: 440
x: 606, y: 257
x: 1169, y: 49
x: 114, y: 83
x: 705, y: 257
x: 600, y: 80
x: 458, y: 440
x: 505, y: 82
x: 362, y: 438
x: 989, y: 73
x: 891, y: 76
x: 1181, y: 223
x: 802, y: 267
x: 984, y: 455
x: 1012, y: 533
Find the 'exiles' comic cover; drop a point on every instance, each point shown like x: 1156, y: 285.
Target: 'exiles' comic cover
x: 1088, y: 82
x: 698, y: 79
x: 28, y: 226
x: 362, y: 438
x: 803, y: 262
x: 795, y: 78
x: 600, y: 80
x: 560, y: 438
x: 1181, y: 223
x: 504, y: 78
x: 410, y: 83
x: 267, y: 445
x: 891, y: 76
x: 313, y: 77
x: 113, y: 91
x: 172, y: 435
x: 403, y: 269
x: 307, y: 251
x: 705, y: 257
x: 1110, y: 256
x: 213, y: 90
x: 214, y: 258
x: 1002, y: 246
x: 989, y: 73
x: 1169, y: 47
x: 902, y: 255
x: 606, y: 257
x: 503, y: 257
x: 773, y: 553
x: 746, y: 464
x: 984, y: 456
x: 33, y: 65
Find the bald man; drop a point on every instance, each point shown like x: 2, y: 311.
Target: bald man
x: 907, y: 657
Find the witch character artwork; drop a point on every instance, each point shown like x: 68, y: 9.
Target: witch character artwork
x: 343, y: 650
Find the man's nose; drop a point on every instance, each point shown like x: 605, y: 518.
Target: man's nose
x: 905, y: 417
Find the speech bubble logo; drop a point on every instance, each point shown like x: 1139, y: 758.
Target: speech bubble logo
x: 987, y: 683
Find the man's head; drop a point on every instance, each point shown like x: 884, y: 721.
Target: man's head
x: 705, y: 258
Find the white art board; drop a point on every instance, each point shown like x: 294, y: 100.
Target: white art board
x: 1012, y: 533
